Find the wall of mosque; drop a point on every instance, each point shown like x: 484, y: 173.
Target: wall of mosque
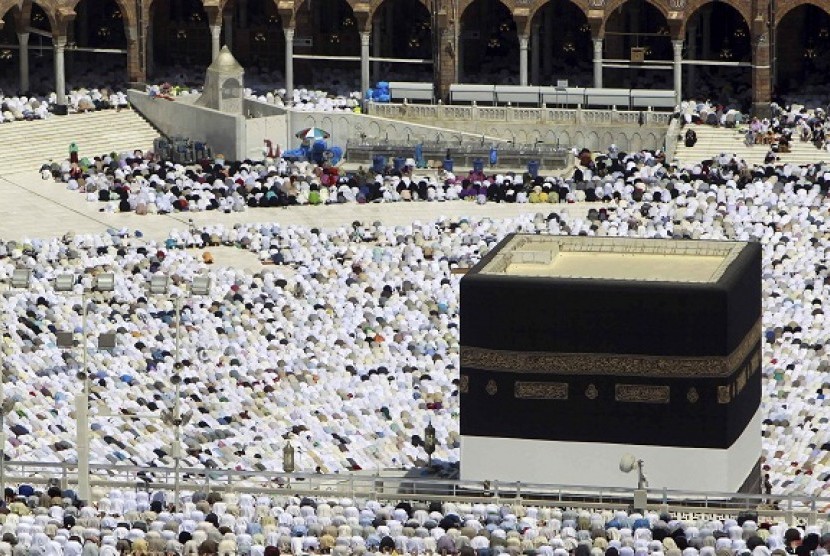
x: 258, y: 130
x: 258, y: 32
x: 345, y: 126
x: 242, y: 137
x: 225, y: 133
x: 593, y: 129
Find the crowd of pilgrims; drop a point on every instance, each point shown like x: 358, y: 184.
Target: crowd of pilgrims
x: 139, y: 523
x: 384, y: 299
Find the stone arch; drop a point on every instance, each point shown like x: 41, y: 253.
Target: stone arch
x: 8, y: 26
x: 488, y: 43
x: 48, y: 7
x: 401, y: 29
x: 334, y: 28
x: 786, y: 6
x: 105, y: 24
x: 375, y: 5
x: 703, y: 4
x: 607, y: 140
x: 622, y: 141
x: 260, y: 40
x: 539, y: 4
x: 579, y: 140
x: 613, y: 5
x: 564, y: 42
x: 636, y: 143
x: 694, y: 6
x: 637, y: 24
x: 180, y: 33
x: 374, y: 130
x: 96, y: 10
x: 717, y: 31
x: 127, y: 11
x: 560, y: 139
x: 592, y: 141
x: 463, y: 5
x: 802, y: 43
x: 300, y: 4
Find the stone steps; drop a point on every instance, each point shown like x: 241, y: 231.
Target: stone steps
x: 28, y: 145
x: 712, y: 141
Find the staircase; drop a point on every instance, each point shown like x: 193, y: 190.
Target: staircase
x: 28, y: 145
x: 712, y: 141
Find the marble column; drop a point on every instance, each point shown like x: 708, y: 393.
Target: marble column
x: 365, y: 79
x: 60, y: 70
x: 523, y: 60
x: 289, y: 61
x: 597, y: 63
x: 677, y: 46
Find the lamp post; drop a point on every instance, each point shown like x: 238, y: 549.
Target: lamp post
x: 160, y: 285
x: 21, y: 279
x: 6, y: 407
x: 627, y: 464
x: 435, y: 36
x: 288, y: 460
x: 429, y: 441
x: 104, y: 282
x: 178, y: 420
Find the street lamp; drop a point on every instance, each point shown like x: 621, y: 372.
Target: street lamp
x: 627, y: 464
x: 20, y: 280
x: 65, y: 283
x: 178, y: 420
x: 288, y: 458
x: 21, y: 277
x: 6, y: 407
x: 429, y: 441
x: 160, y: 285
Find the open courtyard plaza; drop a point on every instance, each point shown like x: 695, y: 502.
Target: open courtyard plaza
x: 334, y: 328
x: 346, y: 342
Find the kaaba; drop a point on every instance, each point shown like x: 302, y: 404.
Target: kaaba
x: 578, y: 350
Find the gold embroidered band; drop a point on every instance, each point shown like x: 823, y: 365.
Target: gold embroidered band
x: 611, y: 364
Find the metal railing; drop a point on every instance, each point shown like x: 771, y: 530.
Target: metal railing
x: 507, y: 114
x: 464, y: 154
x: 690, y: 504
